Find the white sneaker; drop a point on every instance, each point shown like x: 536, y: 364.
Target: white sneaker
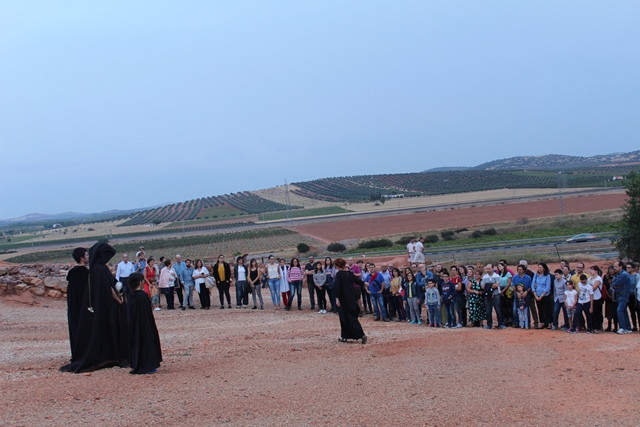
x: 324, y: 311
x: 621, y: 331
x: 320, y: 312
x: 157, y: 309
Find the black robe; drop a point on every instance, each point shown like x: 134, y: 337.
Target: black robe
x: 78, y: 278
x: 349, y: 309
x: 98, y: 334
x: 146, y: 354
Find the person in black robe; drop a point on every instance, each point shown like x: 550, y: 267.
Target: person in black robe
x: 98, y: 333
x: 348, y: 309
x: 146, y: 353
x: 78, y: 281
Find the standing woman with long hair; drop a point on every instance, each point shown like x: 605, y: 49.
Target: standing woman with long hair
x: 200, y: 274
x: 295, y: 277
x: 348, y: 308
x: 330, y: 270
x: 254, y: 282
x: 283, y: 272
x: 611, y: 305
x: 477, y: 312
x: 541, y: 287
x: 506, y: 294
x: 595, y: 281
x: 320, y: 281
x: 273, y: 280
x: 396, y: 294
x: 411, y: 292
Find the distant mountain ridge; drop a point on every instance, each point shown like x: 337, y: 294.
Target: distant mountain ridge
x: 559, y: 161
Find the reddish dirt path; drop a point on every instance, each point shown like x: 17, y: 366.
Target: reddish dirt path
x: 463, y: 217
x: 275, y: 368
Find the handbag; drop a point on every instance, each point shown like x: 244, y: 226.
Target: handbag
x: 209, y: 282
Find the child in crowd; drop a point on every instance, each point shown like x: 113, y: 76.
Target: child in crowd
x: 585, y: 303
x: 432, y: 297
x: 448, y: 298
x: 522, y: 302
x: 570, y: 301
x: 146, y: 354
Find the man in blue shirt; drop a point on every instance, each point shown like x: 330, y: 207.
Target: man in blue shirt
x: 178, y: 266
x: 622, y: 286
x: 522, y: 278
x: 186, y: 277
x: 374, y: 288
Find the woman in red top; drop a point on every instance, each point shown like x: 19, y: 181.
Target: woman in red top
x: 149, y: 276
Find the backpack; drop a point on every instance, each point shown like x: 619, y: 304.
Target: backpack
x: 604, y: 292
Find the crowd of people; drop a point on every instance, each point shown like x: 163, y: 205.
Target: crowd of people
x: 570, y: 298
x: 110, y: 310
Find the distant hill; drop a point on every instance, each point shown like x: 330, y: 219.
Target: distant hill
x: 561, y: 162
x: 514, y: 172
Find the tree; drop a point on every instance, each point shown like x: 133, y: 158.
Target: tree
x: 628, y: 242
x: 302, y: 248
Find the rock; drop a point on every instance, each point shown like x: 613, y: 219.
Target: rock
x: 13, y: 270
x: 3, y: 271
x: 22, y: 287
x: 58, y: 283
x: 38, y: 291
x: 54, y: 294
x: 34, y: 281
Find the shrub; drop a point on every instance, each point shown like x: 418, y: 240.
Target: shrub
x: 404, y: 240
x: 447, y: 235
x: 490, y: 232
x: 431, y: 238
x: 476, y: 234
x: 156, y: 221
x: 336, y: 247
x: 302, y: 248
x: 90, y: 229
x: 376, y: 243
x: 460, y: 230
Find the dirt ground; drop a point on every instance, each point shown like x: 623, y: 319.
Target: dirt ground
x: 462, y: 217
x: 271, y: 367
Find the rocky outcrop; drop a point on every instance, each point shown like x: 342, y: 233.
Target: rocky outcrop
x: 40, y: 280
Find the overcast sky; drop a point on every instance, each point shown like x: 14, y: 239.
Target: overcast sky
x: 127, y: 104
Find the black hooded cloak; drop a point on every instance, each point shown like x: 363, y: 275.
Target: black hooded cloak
x: 98, y: 333
x: 146, y: 354
x: 78, y: 278
x: 349, y: 310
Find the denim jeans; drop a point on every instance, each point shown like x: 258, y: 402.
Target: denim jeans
x: 377, y: 300
x: 583, y: 308
x: 312, y: 292
x: 557, y: 306
x: 188, y: 294
x: 450, y: 308
x: 414, y: 314
x: 241, y: 298
x: 492, y: 302
x: 623, y: 316
x: 296, y: 288
x: 257, y: 294
x: 523, y: 316
x: 274, y: 289
x: 434, y: 314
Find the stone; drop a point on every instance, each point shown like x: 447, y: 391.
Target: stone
x: 54, y: 294
x: 38, y: 291
x: 23, y: 287
x: 57, y: 283
x: 13, y: 270
x: 34, y: 281
x: 3, y: 271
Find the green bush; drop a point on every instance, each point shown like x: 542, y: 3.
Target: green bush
x: 448, y: 235
x: 336, y: 247
x: 376, y: 243
x: 490, y: 232
x: 404, y: 240
x: 477, y: 234
x: 431, y: 238
x: 302, y: 248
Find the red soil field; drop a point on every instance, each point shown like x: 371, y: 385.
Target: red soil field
x: 461, y: 217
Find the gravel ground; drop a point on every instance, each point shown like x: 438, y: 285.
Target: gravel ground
x: 271, y: 367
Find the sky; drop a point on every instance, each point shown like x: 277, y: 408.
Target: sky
x: 129, y: 104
